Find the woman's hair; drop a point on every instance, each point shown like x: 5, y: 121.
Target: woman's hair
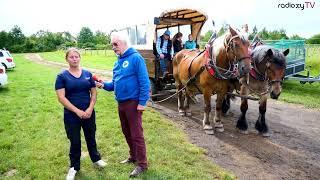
x: 176, y: 36
x: 72, y: 49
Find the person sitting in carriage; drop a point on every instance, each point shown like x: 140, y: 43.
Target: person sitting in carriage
x: 164, y: 50
x: 190, y: 44
x: 177, y: 42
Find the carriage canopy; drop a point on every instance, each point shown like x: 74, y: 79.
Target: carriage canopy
x: 180, y: 17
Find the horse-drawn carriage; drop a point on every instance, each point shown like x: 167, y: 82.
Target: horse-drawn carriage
x: 225, y: 58
x: 143, y: 38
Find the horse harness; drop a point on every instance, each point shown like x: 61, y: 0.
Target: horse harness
x: 215, y: 70
x: 257, y: 75
x: 193, y: 78
x: 211, y: 66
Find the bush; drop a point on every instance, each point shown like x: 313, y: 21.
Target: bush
x: 17, y: 48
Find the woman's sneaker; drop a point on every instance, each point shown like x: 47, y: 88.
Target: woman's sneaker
x: 71, y: 174
x: 100, y: 163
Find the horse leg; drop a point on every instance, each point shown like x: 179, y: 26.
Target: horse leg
x: 187, y: 104
x: 226, y: 105
x: 217, y: 116
x: 180, y: 107
x: 261, y: 125
x: 242, y: 124
x: 207, y: 108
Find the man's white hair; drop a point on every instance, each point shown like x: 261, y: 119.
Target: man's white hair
x: 122, y: 36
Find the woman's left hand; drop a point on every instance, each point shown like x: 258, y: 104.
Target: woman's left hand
x: 88, y: 113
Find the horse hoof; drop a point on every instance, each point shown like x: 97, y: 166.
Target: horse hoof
x: 245, y: 132
x: 209, y: 131
x: 188, y: 113
x: 218, y: 125
x: 182, y: 113
x: 207, y: 127
x: 266, y: 134
x: 219, y: 129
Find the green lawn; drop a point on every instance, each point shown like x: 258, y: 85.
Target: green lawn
x: 98, y: 59
x: 34, y: 144
x: 314, y: 62
x: 307, y: 94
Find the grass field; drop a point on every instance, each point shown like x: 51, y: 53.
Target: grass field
x: 33, y: 143
x: 92, y: 59
x: 307, y: 94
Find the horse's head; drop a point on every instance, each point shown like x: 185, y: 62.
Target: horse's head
x: 275, y: 70
x: 237, y: 51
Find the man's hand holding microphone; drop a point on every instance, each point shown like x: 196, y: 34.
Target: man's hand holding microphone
x: 98, y: 81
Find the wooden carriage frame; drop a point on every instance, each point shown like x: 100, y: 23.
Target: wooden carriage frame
x: 167, y: 20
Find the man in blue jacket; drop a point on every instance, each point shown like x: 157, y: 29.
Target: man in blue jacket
x: 131, y: 86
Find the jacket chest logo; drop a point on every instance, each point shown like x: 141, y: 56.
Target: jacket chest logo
x: 125, y: 64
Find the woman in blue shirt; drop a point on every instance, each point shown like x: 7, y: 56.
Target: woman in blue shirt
x: 190, y: 44
x: 76, y: 91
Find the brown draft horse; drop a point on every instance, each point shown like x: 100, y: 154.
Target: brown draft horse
x: 266, y: 76
x: 226, y: 51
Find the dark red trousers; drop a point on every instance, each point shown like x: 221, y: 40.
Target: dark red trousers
x: 131, y: 124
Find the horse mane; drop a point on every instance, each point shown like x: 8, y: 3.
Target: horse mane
x: 278, y: 58
x: 220, y: 41
x: 259, y: 55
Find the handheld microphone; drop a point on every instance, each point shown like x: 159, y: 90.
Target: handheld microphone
x: 96, y: 78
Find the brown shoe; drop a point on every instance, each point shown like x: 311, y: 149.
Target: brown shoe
x: 127, y: 161
x: 137, y: 171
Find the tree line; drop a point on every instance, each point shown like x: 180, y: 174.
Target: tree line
x: 265, y: 34
x: 44, y: 41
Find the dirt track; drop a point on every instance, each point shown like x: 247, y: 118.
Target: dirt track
x: 291, y: 152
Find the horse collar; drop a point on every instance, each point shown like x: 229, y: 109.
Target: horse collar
x: 256, y: 75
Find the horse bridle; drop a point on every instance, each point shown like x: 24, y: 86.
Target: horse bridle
x: 273, y: 81
x: 265, y: 78
x: 227, y: 45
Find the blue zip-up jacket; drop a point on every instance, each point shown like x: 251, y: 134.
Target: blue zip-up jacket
x: 130, y: 78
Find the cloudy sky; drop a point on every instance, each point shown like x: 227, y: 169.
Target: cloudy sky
x: 105, y: 15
